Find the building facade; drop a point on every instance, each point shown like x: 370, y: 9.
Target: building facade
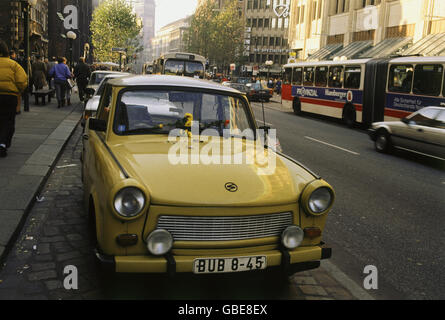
x: 12, y: 26
x: 266, y: 39
x: 170, y: 38
x: 65, y: 16
x: 360, y: 28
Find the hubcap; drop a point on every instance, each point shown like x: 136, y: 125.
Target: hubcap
x: 381, y: 142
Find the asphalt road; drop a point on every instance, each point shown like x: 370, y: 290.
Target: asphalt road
x: 389, y: 210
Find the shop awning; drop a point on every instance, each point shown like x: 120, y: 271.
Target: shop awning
x: 354, y: 49
x: 325, y: 52
x: 387, y: 47
x: 431, y: 45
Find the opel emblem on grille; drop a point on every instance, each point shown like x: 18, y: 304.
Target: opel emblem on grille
x: 231, y: 187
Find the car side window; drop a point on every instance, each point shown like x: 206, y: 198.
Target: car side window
x: 425, y: 117
x: 440, y: 120
x: 104, y: 105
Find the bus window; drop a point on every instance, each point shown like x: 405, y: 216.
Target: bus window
x: 428, y: 79
x: 297, y: 76
x: 194, y: 69
x: 287, y: 76
x: 352, y: 77
x: 400, y: 78
x: 174, y: 67
x: 308, y: 76
x: 335, y: 77
x: 321, y: 76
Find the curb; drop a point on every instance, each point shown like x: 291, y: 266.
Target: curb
x: 66, y: 129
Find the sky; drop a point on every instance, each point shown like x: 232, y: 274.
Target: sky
x: 168, y: 11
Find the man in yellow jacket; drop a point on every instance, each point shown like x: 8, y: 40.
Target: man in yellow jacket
x: 13, y: 81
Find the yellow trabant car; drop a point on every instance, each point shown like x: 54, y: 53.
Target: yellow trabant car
x: 177, y: 180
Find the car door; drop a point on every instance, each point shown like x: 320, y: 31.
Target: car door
x: 415, y: 133
x: 435, y: 136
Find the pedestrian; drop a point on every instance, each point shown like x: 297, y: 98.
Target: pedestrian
x: 82, y: 73
x: 13, y: 81
x: 13, y: 56
x: 61, y: 73
x: 69, y: 84
x: 39, y: 73
x: 278, y: 86
x: 52, y: 63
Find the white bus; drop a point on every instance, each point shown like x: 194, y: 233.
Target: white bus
x: 365, y: 90
x: 180, y: 64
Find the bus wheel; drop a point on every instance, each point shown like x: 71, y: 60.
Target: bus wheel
x: 349, y: 115
x: 296, y: 105
x: 383, y: 142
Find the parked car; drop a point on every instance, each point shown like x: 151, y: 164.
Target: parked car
x: 96, y: 78
x: 258, y: 92
x: 422, y: 132
x: 237, y: 86
x: 153, y: 212
x: 93, y: 101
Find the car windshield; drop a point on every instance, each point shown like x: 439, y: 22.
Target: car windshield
x: 176, y: 67
x: 255, y: 86
x: 97, y: 77
x: 160, y: 111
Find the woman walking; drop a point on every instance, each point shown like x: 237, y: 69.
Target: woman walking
x: 13, y: 80
x: 61, y: 73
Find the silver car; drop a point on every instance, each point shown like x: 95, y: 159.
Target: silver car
x: 93, y: 102
x: 421, y: 132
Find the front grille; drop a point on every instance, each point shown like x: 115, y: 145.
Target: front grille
x: 192, y: 228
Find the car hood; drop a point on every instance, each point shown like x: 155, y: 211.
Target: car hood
x: 205, y: 185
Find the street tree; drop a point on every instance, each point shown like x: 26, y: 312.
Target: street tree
x: 114, y: 25
x: 217, y: 34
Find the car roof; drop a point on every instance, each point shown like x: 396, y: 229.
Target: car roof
x: 107, y: 71
x: 169, y: 81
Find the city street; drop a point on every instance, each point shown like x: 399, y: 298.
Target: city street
x: 389, y: 208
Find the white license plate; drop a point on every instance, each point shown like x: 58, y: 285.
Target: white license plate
x: 225, y: 265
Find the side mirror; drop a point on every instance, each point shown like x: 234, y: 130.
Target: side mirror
x: 407, y: 121
x: 90, y: 91
x: 97, y: 125
x: 265, y: 128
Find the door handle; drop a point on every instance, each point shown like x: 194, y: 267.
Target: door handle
x: 85, y: 137
x: 420, y: 130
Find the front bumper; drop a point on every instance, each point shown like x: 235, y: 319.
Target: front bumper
x: 300, y: 259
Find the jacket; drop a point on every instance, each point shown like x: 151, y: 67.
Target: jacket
x: 13, y: 79
x: 82, y: 72
x: 60, y: 72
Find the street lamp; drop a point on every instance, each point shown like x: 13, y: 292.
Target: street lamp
x: 26, y: 5
x: 72, y: 36
x: 269, y: 64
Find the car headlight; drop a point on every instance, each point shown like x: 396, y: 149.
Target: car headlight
x: 129, y: 202
x: 292, y: 237
x: 320, y: 200
x: 159, y: 242
x: 317, y: 198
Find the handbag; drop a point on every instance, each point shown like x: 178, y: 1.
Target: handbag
x: 71, y: 83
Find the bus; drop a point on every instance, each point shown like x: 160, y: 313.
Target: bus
x: 180, y: 64
x: 365, y: 90
x: 147, y: 68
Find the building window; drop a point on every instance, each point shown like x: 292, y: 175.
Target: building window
x: 249, y: 4
x: 264, y: 41
x: 266, y: 23
x: 255, y: 4
x: 260, y: 23
x: 274, y: 23
x: 254, y: 23
x: 271, y: 41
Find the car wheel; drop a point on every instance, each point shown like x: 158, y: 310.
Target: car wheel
x: 296, y: 105
x: 267, y: 100
x: 383, y: 142
x: 349, y: 115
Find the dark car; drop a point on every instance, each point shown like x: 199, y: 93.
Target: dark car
x: 237, y: 86
x: 258, y: 92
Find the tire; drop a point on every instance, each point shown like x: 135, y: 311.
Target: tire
x: 296, y: 105
x: 267, y: 100
x: 349, y: 115
x: 383, y: 142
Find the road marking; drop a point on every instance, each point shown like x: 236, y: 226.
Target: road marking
x: 267, y: 123
x: 334, y: 146
x: 347, y: 282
